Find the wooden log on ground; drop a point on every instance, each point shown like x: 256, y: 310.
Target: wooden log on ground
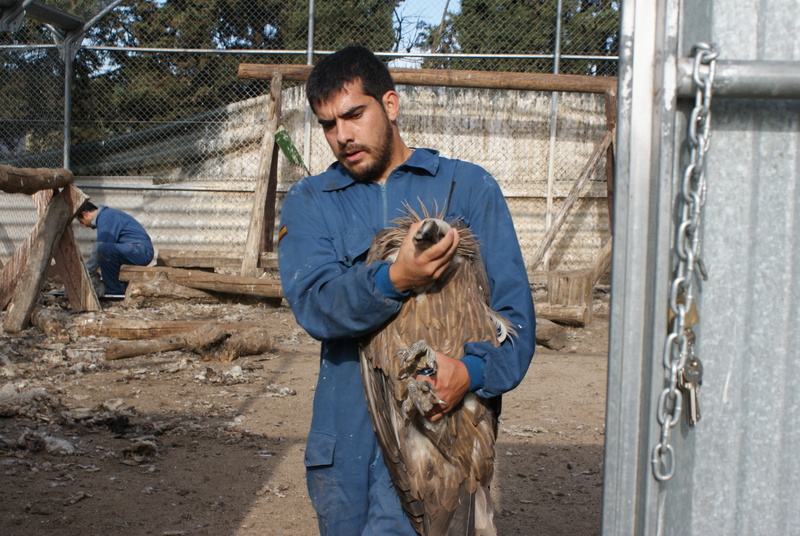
x: 572, y: 315
x: 205, y: 338
x: 550, y: 334
x: 120, y: 350
x: 232, y: 284
x: 137, y: 329
x: 201, y: 338
x: 453, y: 78
x: 137, y: 291
x: 262, y: 216
x: 31, y: 180
x: 148, y: 293
x: 185, y: 258
x: 251, y: 341
x: 27, y: 291
x: 47, y: 320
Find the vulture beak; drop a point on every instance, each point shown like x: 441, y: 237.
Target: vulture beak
x: 431, y: 231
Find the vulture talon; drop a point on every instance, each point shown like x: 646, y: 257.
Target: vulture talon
x: 422, y: 396
x: 419, y: 358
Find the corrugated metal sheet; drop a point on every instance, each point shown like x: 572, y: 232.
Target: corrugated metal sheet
x: 741, y: 466
x: 505, y: 132
x: 747, y: 444
x: 736, y: 470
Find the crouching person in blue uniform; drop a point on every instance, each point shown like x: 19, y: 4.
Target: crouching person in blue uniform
x: 120, y: 240
x: 327, y: 224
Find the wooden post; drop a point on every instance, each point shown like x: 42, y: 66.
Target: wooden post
x: 262, y: 218
x: 611, y: 124
x: 572, y: 289
x: 26, y: 294
x: 572, y: 197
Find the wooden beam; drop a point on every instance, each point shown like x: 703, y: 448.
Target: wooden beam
x: 571, y: 198
x: 186, y: 258
x: 454, y: 78
x: 31, y: 180
x: 120, y: 350
x: 262, y: 217
x: 232, y: 284
x: 27, y: 291
x: 200, y: 339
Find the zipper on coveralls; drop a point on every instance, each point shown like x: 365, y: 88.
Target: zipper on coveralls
x: 385, y: 205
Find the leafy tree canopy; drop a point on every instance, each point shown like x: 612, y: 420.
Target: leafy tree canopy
x: 589, y: 28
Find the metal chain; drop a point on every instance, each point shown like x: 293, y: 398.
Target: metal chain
x: 678, y: 345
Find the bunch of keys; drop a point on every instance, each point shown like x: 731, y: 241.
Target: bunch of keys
x: 691, y: 379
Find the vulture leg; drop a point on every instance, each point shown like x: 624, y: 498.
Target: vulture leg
x: 420, y: 395
x: 419, y: 358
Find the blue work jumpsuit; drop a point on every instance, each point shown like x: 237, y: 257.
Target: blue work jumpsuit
x: 120, y: 240
x: 327, y: 224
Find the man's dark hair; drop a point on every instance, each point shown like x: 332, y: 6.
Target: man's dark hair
x: 87, y: 206
x: 351, y: 63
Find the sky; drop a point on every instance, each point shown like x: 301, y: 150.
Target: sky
x: 429, y: 10
x: 412, y: 11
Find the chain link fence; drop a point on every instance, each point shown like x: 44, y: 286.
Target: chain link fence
x: 158, y: 124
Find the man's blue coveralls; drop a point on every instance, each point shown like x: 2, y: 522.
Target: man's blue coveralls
x: 120, y: 240
x: 328, y: 222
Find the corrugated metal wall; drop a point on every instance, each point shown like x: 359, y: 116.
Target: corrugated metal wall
x: 747, y: 444
x: 736, y: 470
x: 741, y: 466
x: 507, y: 132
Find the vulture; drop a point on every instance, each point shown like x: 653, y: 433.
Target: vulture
x: 441, y: 470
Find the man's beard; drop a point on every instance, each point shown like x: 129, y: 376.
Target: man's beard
x: 381, y: 153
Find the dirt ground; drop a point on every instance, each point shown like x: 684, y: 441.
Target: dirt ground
x: 169, y: 444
